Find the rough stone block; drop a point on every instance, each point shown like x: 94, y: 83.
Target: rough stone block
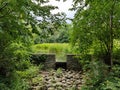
x: 73, y: 62
x: 47, y: 59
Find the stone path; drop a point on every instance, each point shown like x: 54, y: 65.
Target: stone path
x: 60, y: 80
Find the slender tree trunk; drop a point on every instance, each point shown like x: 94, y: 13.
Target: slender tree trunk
x: 111, y: 39
x: 110, y: 50
x: 109, y: 56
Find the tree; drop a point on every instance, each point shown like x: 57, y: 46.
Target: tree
x: 61, y: 35
x: 50, y: 32
x: 97, y: 21
x: 18, y: 21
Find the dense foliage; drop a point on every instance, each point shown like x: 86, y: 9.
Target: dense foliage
x: 61, y: 35
x: 95, y: 32
x: 95, y: 36
x: 97, y: 22
x: 19, y: 19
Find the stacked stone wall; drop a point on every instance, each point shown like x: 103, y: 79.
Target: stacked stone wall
x: 73, y: 62
x: 47, y: 59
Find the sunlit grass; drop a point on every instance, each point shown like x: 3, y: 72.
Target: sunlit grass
x: 60, y: 49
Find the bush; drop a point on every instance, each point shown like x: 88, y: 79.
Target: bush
x: 23, y: 65
x: 29, y: 73
x: 95, y: 75
x: 59, y: 72
x: 99, y: 78
x: 13, y: 82
x: 85, y: 61
x: 4, y: 87
x: 112, y: 81
x: 14, y: 57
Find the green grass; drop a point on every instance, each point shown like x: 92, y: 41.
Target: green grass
x: 60, y: 49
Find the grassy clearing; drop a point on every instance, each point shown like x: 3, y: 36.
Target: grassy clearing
x: 60, y: 49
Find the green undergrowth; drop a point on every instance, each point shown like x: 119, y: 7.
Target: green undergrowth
x: 97, y: 74
x: 98, y: 77
x: 29, y: 73
x: 30, y: 76
x: 20, y: 79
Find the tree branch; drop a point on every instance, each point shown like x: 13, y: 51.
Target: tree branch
x: 5, y: 4
x: 6, y: 14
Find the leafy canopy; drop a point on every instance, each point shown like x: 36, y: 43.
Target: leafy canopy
x: 92, y: 23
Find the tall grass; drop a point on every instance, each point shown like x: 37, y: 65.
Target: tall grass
x: 60, y: 49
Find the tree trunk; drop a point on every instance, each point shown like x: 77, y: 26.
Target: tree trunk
x: 109, y: 54
x: 111, y: 39
x: 110, y: 48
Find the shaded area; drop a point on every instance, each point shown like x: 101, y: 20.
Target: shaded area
x: 61, y: 65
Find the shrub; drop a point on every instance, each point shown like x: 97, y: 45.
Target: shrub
x: 29, y: 73
x: 59, y: 72
x: 23, y: 65
x: 112, y: 81
x: 14, y: 57
x: 99, y: 78
x: 95, y: 75
x: 13, y: 82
